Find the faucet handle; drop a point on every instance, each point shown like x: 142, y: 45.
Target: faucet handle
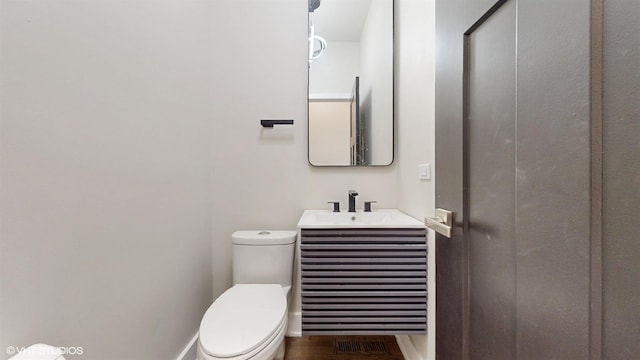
x: 367, y: 205
x: 336, y: 205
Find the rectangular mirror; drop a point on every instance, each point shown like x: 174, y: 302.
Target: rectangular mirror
x: 351, y: 82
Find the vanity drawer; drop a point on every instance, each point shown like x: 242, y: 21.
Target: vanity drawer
x: 363, y: 281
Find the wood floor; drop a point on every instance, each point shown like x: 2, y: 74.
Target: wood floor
x: 343, y: 348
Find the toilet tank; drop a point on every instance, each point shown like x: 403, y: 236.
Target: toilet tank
x: 263, y: 257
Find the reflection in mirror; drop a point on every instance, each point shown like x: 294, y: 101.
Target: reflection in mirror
x: 350, y: 82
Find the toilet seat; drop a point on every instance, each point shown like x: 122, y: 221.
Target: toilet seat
x: 243, y: 321
x: 264, y: 352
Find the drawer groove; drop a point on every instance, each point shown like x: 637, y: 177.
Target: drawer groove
x: 383, y: 320
x: 325, y: 293
x: 364, y: 300
x: 363, y: 307
x: 358, y: 273
x: 363, y: 267
x: 362, y: 247
x: 362, y: 326
x: 364, y: 280
x: 365, y: 313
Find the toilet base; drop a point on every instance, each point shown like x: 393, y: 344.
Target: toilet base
x: 273, y: 350
x: 280, y: 354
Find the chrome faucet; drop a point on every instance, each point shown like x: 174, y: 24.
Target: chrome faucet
x: 352, y: 200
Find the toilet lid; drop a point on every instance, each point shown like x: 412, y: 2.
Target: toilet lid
x: 242, y: 318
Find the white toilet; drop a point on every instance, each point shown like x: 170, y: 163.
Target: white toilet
x: 249, y: 320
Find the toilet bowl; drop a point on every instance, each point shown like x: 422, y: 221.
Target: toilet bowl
x: 249, y: 320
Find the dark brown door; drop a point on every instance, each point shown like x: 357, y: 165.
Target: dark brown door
x: 489, y: 173
x: 620, y: 176
x: 513, y: 164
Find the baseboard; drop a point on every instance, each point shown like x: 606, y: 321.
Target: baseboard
x: 294, y: 327
x: 190, y: 351
x: 406, y: 347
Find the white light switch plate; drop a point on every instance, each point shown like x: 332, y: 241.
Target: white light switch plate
x: 424, y: 172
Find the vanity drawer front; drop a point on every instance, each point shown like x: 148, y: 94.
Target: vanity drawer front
x: 357, y: 301
x: 367, y: 232
x: 364, y: 281
x: 311, y: 273
x: 364, y: 236
x: 363, y: 267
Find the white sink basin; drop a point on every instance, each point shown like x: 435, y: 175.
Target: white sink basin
x: 380, y: 218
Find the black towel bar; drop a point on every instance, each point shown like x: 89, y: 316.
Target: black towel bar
x: 270, y: 123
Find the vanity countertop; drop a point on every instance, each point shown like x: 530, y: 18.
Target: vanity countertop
x: 379, y: 218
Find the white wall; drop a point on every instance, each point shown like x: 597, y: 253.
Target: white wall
x: 376, y: 81
x: 334, y: 72
x: 415, y: 116
x: 105, y: 196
